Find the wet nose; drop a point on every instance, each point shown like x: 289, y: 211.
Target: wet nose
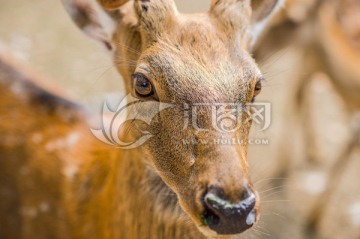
x: 226, y: 217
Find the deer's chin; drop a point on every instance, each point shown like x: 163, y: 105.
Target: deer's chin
x: 196, y: 219
x: 206, y: 231
x: 209, y: 233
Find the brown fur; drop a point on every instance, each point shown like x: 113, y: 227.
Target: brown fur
x: 58, y: 181
x: 111, y: 4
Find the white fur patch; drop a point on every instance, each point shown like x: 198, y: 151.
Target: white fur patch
x: 63, y: 143
x: 70, y: 170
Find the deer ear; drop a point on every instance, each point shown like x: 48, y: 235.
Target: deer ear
x: 93, y: 19
x: 262, y: 10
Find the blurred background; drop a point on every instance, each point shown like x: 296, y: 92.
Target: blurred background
x: 308, y: 175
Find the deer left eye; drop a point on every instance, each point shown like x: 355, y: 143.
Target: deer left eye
x: 142, y: 86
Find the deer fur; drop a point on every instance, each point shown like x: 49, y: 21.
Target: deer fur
x: 59, y: 181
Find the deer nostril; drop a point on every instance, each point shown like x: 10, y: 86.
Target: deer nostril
x: 209, y: 218
x: 225, y: 217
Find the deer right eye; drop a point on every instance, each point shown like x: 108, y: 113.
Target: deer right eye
x: 142, y: 86
x: 258, y: 87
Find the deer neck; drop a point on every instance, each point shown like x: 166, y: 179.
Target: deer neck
x: 128, y: 197
x: 150, y: 204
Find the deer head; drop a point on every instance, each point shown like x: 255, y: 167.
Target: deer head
x: 184, y: 60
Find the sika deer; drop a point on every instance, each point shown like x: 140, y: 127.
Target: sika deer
x: 164, y: 188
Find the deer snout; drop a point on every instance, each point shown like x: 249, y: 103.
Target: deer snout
x: 225, y: 217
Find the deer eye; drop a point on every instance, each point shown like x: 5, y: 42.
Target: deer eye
x: 258, y: 87
x: 142, y: 86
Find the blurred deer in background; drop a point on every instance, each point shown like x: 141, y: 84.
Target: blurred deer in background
x: 325, y: 37
x: 59, y: 181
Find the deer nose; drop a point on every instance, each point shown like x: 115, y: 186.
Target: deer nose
x: 228, y: 218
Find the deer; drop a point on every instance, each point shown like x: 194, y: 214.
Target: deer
x: 59, y: 181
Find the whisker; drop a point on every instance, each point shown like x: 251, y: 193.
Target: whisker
x: 272, y: 58
x: 270, y: 189
x: 124, y: 60
x: 274, y: 213
x: 269, y: 179
x: 261, y: 232
x: 128, y: 48
x: 87, y: 91
x: 271, y: 194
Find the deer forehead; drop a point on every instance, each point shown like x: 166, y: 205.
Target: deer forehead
x: 187, y: 82
x: 201, y: 34
x: 191, y: 65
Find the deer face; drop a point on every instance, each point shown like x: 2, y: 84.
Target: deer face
x: 199, y: 64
